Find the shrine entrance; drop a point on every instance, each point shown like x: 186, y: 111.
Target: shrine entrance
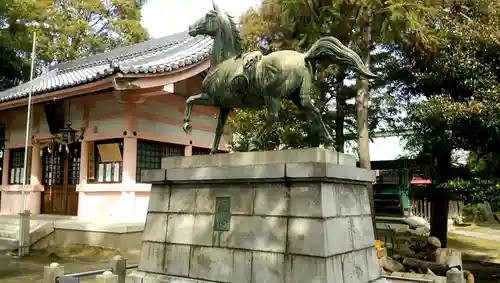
x: 61, y: 174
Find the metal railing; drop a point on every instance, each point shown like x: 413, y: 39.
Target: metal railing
x: 71, y: 277
x: 408, y: 279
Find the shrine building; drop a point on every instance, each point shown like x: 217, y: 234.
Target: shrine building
x: 97, y: 122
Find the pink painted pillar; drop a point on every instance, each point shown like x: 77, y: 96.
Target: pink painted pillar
x: 129, y: 160
x: 84, y: 167
x: 5, y: 167
x: 34, y: 199
x: 128, y: 177
x: 36, y: 165
x: 5, y: 180
x: 188, y: 150
x: 84, y: 162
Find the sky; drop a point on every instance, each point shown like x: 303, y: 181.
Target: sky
x: 164, y: 17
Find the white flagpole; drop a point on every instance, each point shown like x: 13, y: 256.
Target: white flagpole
x: 28, y: 127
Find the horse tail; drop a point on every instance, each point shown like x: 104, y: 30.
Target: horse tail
x: 331, y: 48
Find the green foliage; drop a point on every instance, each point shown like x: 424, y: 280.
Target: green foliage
x: 66, y: 30
x: 293, y: 130
x: 297, y: 24
x: 475, y: 190
x: 453, y: 94
x: 471, y: 212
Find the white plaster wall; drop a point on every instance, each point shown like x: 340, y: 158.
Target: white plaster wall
x: 207, y: 137
x: 205, y: 120
x: 16, y: 126
x: 160, y: 128
x: 141, y: 205
x: 17, y: 118
x: 17, y: 136
x: 106, y: 107
x: 113, y: 206
x: 100, y: 205
x: 75, y: 116
x: 11, y: 202
x: 108, y: 125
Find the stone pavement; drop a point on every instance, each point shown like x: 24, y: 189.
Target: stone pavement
x: 14, y: 270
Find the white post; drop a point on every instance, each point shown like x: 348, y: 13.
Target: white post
x: 454, y: 276
x: 28, y: 126
x: 22, y: 237
x: 51, y: 272
x: 24, y: 233
x: 107, y: 277
x: 119, y: 268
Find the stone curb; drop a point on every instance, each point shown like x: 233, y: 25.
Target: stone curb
x: 264, y: 172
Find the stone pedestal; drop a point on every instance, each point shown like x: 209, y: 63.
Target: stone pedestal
x: 290, y: 216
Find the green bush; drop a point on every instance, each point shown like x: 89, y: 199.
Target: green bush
x: 472, y: 213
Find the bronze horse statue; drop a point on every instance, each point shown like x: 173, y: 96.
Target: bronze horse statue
x: 252, y: 80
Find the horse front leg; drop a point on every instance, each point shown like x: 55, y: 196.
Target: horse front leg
x: 273, y: 109
x: 221, y: 121
x: 199, y: 99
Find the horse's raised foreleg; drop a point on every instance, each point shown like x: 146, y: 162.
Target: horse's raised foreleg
x: 273, y: 109
x: 221, y: 121
x: 199, y: 99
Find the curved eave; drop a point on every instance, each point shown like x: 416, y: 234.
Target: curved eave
x: 139, y: 80
x: 179, y: 52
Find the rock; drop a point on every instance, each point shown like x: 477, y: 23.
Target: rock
x: 403, y: 231
x: 381, y: 252
x: 433, y: 243
x: 415, y: 222
x: 404, y: 252
x: 429, y: 272
x: 398, y: 257
x: 422, y: 231
x: 391, y: 265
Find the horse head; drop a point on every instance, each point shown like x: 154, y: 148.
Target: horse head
x: 223, y: 29
x: 211, y: 23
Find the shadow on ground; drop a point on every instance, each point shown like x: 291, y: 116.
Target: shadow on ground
x: 76, y: 258
x: 481, y: 257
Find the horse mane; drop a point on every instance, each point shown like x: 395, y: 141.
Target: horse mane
x: 236, y: 35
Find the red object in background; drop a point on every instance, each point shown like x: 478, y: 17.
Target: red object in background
x: 420, y: 181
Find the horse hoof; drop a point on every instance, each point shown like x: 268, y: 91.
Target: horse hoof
x: 252, y: 148
x: 187, y: 127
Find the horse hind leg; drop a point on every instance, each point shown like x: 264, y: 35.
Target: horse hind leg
x: 273, y: 108
x: 305, y: 103
x: 221, y: 121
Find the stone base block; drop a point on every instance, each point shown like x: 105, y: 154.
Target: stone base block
x: 277, y: 222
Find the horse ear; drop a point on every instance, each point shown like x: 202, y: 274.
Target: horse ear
x: 215, y: 6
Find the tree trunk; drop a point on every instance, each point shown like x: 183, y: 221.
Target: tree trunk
x: 440, y: 198
x: 340, y: 104
x: 362, y: 105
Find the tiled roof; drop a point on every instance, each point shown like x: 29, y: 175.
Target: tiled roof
x: 160, y: 55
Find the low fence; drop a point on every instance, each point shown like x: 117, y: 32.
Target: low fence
x: 116, y: 273
x: 423, y: 208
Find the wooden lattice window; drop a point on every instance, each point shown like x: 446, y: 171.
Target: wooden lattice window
x: 200, y: 151
x: 74, y: 169
x: 16, y: 166
x: 149, y: 154
x: 53, y: 164
x: 109, y: 161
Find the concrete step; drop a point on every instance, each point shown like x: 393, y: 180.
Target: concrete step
x: 9, y: 227
x: 7, y: 244
x: 9, y: 234
x: 8, y: 220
